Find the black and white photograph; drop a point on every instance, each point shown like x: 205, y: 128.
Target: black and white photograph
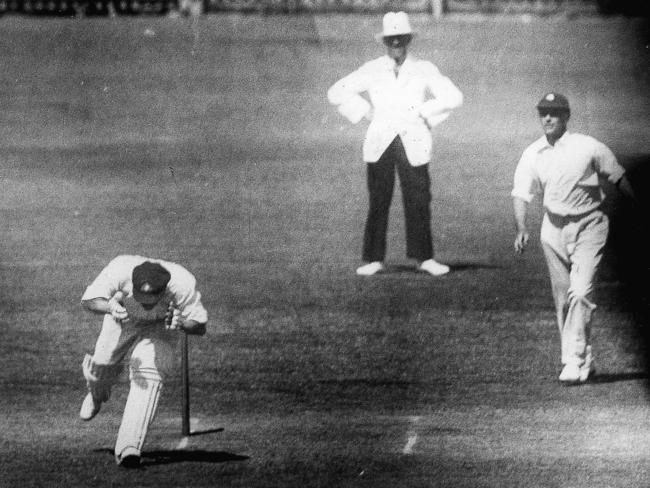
x: 325, y: 243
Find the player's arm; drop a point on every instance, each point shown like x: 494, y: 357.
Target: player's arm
x: 176, y: 321
x: 525, y: 185
x: 520, y: 209
x: 446, y: 97
x: 112, y: 306
x: 104, y: 295
x: 345, y: 94
x: 187, y: 311
x: 625, y: 187
x: 193, y: 327
x: 607, y: 166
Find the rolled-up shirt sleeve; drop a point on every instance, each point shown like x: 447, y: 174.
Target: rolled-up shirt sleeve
x: 606, y: 164
x: 526, y: 185
x: 187, y: 297
x: 109, y: 281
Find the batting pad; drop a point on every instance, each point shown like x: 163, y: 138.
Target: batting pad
x: 139, y: 412
x: 99, y: 377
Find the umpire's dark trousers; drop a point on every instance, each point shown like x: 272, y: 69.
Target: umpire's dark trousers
x: 416, y: 193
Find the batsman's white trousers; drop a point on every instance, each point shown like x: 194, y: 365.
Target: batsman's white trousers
x: 152, y: 358
x: 152, y: 346
x: 573, y: 248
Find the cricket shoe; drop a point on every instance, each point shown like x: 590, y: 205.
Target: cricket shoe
x: 588, y: 368
x: 89, y: 408
x: 433, y: 267
x: 575, y: 374
x: 572, y: 374
x: 370, y: 268
x: 129, y: 458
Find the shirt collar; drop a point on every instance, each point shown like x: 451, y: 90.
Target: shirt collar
x: 390, y: 62
x: 544, y: 144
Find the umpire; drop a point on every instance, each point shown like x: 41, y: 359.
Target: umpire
x: 407, y: 97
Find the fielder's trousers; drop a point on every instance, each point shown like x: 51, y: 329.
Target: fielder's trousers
x: 416, y: 196
x: 573, y: 247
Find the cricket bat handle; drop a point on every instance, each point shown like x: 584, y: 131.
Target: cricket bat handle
x: 185, y: 385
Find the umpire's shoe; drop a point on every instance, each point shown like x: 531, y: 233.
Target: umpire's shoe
x: 433, y: 267
x: 370, y: 268
x: 129, y: 458
x: 89, y: 408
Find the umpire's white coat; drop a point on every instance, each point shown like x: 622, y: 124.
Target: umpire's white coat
x: 407, y: 105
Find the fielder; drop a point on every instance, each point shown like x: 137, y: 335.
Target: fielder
x: 407, y: 98
x: 568, y: 169
x: 145, y: 303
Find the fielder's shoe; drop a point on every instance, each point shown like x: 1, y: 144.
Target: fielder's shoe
x: 570, y: 374
x: 433, y: 267
x: 89, y: 408
x: 130, y: 458
x: 588, y: 368
x: 370, y: 268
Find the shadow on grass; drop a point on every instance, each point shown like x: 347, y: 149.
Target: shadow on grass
x: 393, y: 269
x: 206, y: 431
x: 151, y: 458
x: 616, y: 377
x: 604, y: 378
x: 155, y: 458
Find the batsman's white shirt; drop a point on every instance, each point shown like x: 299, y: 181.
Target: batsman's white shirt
x: 116, y: 276
x: 407, y: 105
x: 567, y: 173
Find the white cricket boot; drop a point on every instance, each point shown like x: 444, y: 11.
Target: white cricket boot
x: 370, y: 268
x: 89, y: 408
x: 570, y: 374
x: 588, y: 367
x: 433, y: 267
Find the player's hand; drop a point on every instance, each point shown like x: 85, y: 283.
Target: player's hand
x: 116, y: 309
x: 521, y: 241
x: 173, y: 319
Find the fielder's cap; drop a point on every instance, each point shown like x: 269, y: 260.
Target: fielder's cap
x: 149, y: 281
x: 554, y: 101
x: 395, y: 25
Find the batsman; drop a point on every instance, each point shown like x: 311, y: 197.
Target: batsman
x: 145, y: 303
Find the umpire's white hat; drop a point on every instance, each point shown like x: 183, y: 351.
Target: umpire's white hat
x: 395, y: 24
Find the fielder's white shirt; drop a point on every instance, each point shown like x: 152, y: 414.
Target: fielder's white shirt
x: 567, y: 173
x: 116, y: 277
x: 407, y: 105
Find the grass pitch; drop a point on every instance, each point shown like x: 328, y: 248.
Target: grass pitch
x: 211, y: 143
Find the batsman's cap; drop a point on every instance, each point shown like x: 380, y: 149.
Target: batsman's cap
x: 149, y: 281
x: 554, y: 101
x: 395, y: 25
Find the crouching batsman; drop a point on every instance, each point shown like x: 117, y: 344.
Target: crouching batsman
x: 145, y: 303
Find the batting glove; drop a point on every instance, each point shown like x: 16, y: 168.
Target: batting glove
x: 174, y: 319
x: 116, y: 309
